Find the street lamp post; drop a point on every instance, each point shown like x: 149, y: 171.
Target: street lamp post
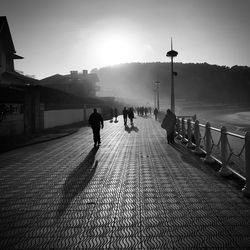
x: 172, y: 53
x: 155, y: 98
x: 157, y: 94
x: 157, y: 83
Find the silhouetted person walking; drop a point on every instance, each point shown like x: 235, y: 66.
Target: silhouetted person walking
x: 96, y: 122
x: 116, y: 114
x: 156, y: 113
x: 131, y: 115
x: 169, y: 124
x: 125, y: 115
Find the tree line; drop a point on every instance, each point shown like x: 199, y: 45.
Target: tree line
x: 194, y: 81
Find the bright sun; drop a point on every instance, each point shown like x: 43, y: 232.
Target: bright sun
x: 114, y: 50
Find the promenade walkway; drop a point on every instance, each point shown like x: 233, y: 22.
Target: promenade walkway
x: 135, y: 191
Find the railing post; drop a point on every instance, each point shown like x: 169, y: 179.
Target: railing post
x: 178, y: 128
x: 208, y: 144
x: 197, y: 138
x: 246, y: 189
x: 224, y: 171
x: 183, y: 130
x: 189, y: 133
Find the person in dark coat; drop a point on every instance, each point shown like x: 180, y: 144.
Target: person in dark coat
x: 116, y: 114
x: 131, y: 115
x: 156, y: 113
x: 96, y: 122
x: 169, y: 124
x: 125, y: 115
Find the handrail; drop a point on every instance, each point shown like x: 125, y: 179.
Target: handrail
x: 215, y: 129
x: 236, y: 135
x: 226, y: 151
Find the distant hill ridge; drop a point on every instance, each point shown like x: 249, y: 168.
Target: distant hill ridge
x: 196, y: 82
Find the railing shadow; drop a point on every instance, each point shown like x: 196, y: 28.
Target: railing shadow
x: 77, y: 181
x: 189, y: 158
x: 197, y: 162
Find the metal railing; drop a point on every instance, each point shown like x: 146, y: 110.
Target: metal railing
x: 230, y: 150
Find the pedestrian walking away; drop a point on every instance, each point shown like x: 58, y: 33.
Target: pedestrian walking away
x: 156, y: 113
x: 125, y: 115
x: 131, y: 115
x: 116, y: 114
x: 169, y: 124
x: 96, y: 123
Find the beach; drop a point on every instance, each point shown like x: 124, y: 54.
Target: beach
x: 234, y: 117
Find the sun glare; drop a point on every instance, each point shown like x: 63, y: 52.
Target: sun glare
x: 115, y: 50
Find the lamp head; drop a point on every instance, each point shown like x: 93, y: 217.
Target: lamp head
x: 172, y: 53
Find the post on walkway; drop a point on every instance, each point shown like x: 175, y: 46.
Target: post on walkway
x: 183, y: 130
x: 155, y: 101
x: 197, y: 137
x: 84, y: 113
x: 246, y: 189
x: 189, y: 133
x: 158, y: 94
x: 194, y: 118
x: 172, y: 53
x: 177, y: 125
x: 224, y: 171
x: 208, y: 144
x: 178, y: 128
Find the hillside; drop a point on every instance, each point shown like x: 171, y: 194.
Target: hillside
x: 194, y: 82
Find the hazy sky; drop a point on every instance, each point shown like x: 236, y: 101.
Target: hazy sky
x: 56, y: 36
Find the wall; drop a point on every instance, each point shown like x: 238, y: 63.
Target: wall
x: 53, y: 118
x: 12, y: 125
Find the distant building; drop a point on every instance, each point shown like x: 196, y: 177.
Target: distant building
x: 76, y: 83
x: 28, y: 105
x: 8, y: 75
x: 19, y: 94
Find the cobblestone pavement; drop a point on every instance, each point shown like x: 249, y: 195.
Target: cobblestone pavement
x: 135, y: 191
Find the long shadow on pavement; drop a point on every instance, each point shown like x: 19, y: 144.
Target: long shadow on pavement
x: 77, y: 181
x: 132, y: 128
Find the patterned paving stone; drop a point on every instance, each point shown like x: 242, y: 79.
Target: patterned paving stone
x: 243, y: 241
x: 94, y: 243
x: 157, y: 242
x: 135, y: 191
x: 125, y: 242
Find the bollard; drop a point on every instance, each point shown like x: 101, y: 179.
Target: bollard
x: 183, y: 130
x: 178, y: 128
x: 189, y: 133
x: 208, y: 145
x: 246, y: 189
x: 224, y: 171
x: 197, y: 137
